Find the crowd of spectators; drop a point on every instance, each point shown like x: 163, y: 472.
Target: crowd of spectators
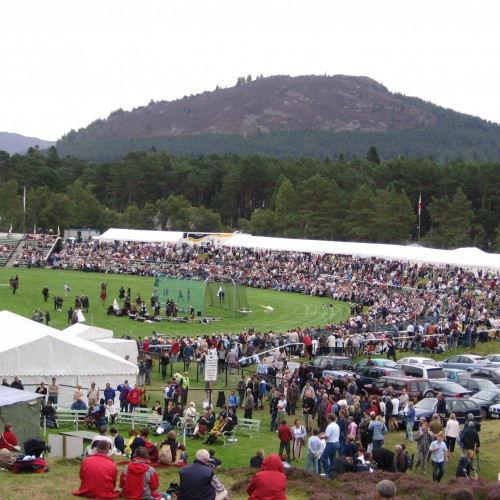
x: 396, y: 293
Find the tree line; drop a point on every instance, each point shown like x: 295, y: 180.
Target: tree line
x: 364, y: 199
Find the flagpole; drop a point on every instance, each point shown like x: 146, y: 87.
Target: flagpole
x: 24, y: 210
x: 419, y: 214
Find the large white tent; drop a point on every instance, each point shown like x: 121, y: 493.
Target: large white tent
x: 144, y: 236
x: 36, y: 353
x: 465, y: 257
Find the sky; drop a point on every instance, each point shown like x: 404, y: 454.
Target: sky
x: 66, y: 63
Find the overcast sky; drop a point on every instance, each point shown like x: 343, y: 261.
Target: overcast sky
x: 65, y: 63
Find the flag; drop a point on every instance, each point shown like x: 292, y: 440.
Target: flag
x: 419, y: 206
x: 58, y: 231
x: 34, y: 229
x: 10, y: 230
x: 24, y: 199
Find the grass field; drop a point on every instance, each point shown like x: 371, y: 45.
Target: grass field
x: 290, y: 309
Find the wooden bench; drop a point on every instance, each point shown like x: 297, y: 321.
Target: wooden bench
x: 138, y: 418
x: 67, y: 415
x: 250, y: 426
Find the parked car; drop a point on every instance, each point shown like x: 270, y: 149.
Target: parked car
x: 369, y: 374
x: 494, y: 359
x: 492, y: 374
x: 416, y: 388
x: 450, y: 389
x: 459, y: 406
x: 464, y: 361
x: 476, y: 385
x: 417, y: 360
x: 495, y: 411
x: 336, y: 363
x: 389, y: 363
x: 486, y: 399
x: 422, y: 371
x: 454, y: 374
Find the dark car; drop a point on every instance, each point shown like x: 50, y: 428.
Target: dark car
x: 491, y: 374
x: 450, y: 389
x: 416, y: 388
x: 369, y: 374
x: 476, y: 385
x: 335, y: 363
x: 459, y: 406
x: 485, y: 399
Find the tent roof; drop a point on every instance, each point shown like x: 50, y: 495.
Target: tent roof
x: 114, y: 234
x: 88, y: 332
x: 10, y: 396
x: 29, y: 348
x: 466, y: 257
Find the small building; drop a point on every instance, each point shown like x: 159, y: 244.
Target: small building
x: 80, y: 235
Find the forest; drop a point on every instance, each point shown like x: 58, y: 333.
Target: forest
x: 365, y: 199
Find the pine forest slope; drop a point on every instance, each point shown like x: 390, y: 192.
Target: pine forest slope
x: 314, y: 116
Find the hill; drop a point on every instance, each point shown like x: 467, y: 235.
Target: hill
x: 16, y: 143
x: 314, y: 116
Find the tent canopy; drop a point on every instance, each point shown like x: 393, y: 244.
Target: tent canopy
x: 22, y: 409
x: 141, y: 236
x: 465, y: 257
x: 88, y: 332
x: 37, y: 353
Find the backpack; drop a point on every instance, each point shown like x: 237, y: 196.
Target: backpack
x: 408, y: 461
x: 165, y: 456
x: 36, y: 466
x: 153, y: 451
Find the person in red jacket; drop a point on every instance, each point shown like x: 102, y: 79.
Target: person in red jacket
x: 134, y: 397
x: 285, y: 436
x: 8, y: 439
x: 98, y: 474
x: 270, y: 482
x: 139, y: 479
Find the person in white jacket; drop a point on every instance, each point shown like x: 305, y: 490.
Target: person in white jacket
x: 451, y: 432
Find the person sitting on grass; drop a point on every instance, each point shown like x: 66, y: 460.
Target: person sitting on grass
x: 98, y: 474
x: 270, y: 482
x: 139, y: 479
x: 257, y: 460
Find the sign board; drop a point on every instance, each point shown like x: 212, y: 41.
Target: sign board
x: 211, y: 366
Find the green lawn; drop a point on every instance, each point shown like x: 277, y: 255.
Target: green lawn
x: 290, y: 309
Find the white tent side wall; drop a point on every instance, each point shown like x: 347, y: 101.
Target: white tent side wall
x: 120, y: 347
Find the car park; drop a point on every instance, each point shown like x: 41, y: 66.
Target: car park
x: 422, y: 371
x: 464, y: 361
x: 486, y: 399
x: 491, y: 374
x: 417, y: 360
x: 416, y: 388
x: 476, y: 385
x: 389, y: 363
x: 335, y: 363
x: 369, y: 374
x: 459, y: 406
x: 450, y: 389
x: 454, y: 374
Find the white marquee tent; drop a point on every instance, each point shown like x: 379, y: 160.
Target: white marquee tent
x: 88, y: 332
x: 115, y: 234
x: 37, y: 353
x: 465, y: 257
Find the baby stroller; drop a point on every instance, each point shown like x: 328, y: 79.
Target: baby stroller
x: 33, y: 461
